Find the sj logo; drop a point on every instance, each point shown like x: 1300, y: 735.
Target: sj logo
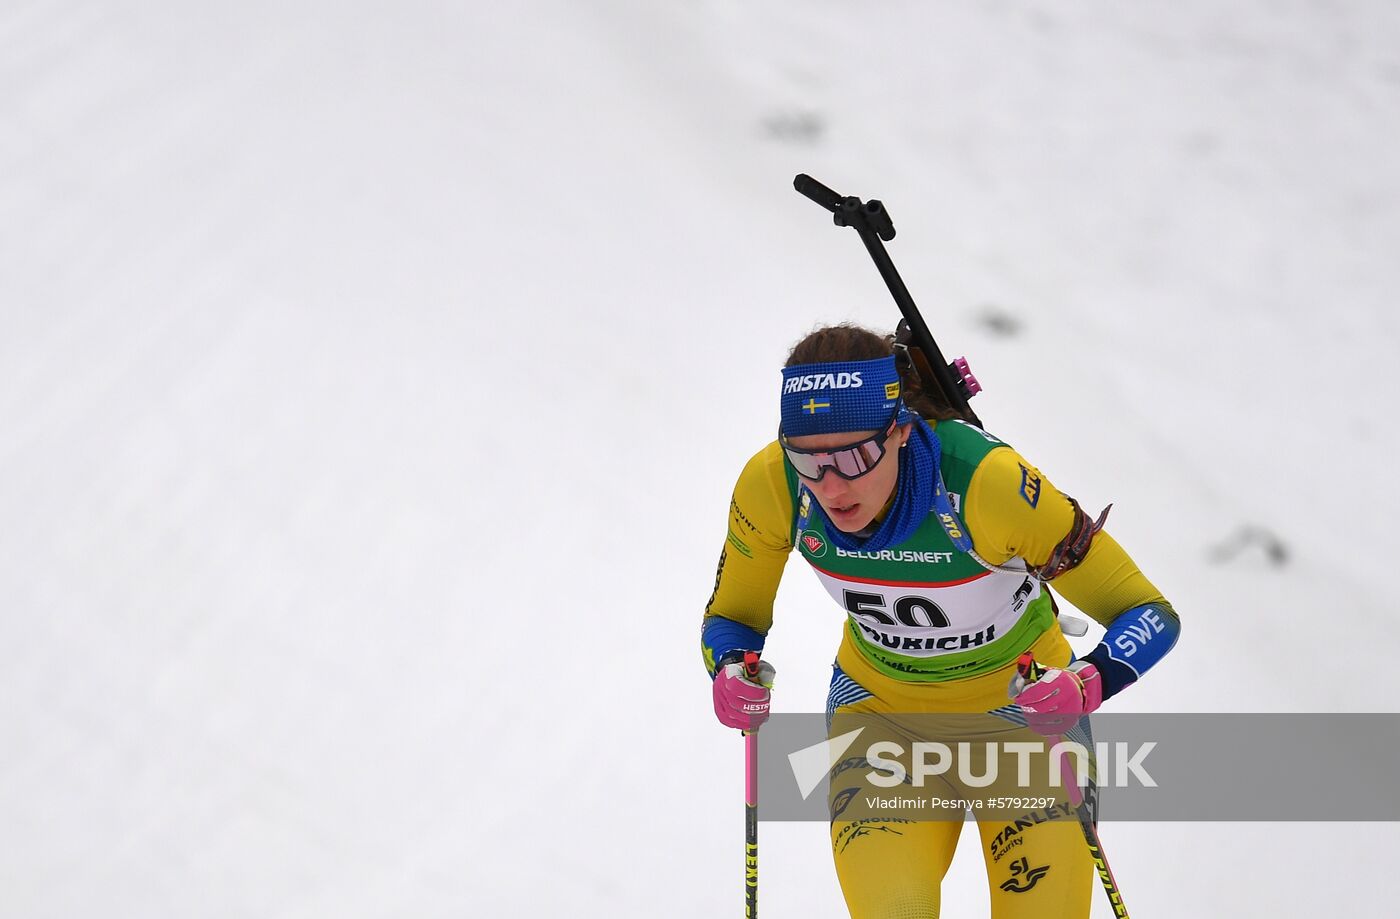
x: 1023, y: 877
x: 814, y: 544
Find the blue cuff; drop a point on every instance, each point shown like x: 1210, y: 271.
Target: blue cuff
x: 720, y: 636
x: 1133, y: 644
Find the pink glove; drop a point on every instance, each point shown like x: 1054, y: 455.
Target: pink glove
x: 1055, y: 702
x: 741, y: 702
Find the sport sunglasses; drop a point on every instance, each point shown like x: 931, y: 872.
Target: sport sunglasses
x: 850, y: 462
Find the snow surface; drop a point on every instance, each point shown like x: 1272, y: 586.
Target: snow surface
x: 373, y: 378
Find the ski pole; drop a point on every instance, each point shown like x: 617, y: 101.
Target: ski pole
x: 1031, y: 671
x: 872, y: 222
x: 751, y: 804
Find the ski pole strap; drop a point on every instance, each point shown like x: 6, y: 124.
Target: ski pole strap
x: 1028, y: 667
x: 1072, y: 549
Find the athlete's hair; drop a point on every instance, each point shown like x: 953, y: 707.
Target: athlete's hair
x: 850, y: 342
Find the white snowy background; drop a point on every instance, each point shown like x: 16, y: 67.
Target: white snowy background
x: 373, y: 378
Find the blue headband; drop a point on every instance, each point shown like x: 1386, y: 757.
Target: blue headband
x: 841, y: 396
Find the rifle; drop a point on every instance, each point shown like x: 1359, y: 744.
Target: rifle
x: 914, y: 344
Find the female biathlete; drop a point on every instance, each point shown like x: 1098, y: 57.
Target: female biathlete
x: 937, y: 539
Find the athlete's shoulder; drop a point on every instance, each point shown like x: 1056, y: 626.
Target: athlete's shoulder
x: 965, y: 441
x: 964, y: 449
x: 1012, y: 509
x: 770, y: 454
x: 1007, y: 470
x: 762, y: 504
x: 766, y: 469
x: 1005, y: 481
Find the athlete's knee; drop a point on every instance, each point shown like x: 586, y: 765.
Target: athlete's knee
x: 910, y: 904
x: 891, y: 868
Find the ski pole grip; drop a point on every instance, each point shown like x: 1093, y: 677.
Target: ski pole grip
x: 817, y: 192
x: 1029, y: 667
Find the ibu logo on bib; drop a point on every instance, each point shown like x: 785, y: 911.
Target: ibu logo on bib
x: 812, y: 543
